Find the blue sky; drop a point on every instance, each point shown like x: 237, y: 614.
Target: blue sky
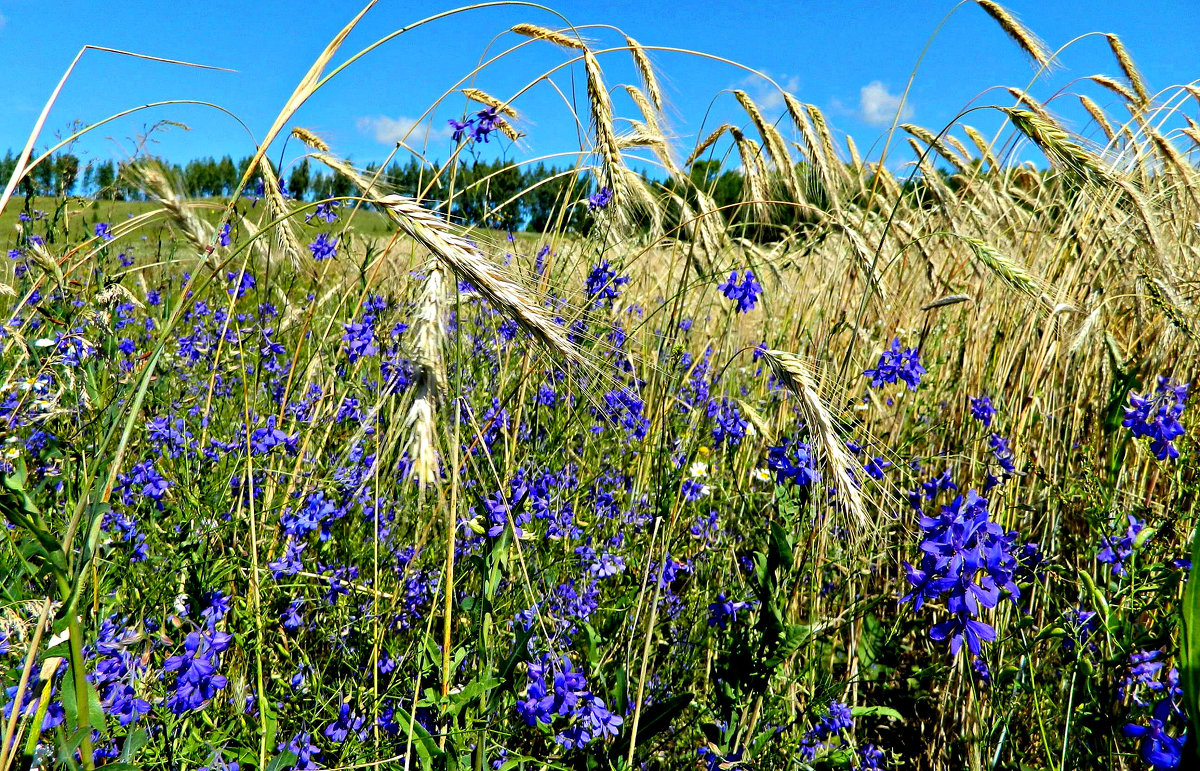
x: 849, y: 58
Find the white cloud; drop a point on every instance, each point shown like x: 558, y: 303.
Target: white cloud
x: 389, y: 131
x: 877, y: 106
x: 3, y: 22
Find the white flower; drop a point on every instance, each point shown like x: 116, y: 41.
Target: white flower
x: 760, y: 475
x: 699, y: 469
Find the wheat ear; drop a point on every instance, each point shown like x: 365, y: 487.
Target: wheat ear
x: 464, y: 260
x: 794, y: 374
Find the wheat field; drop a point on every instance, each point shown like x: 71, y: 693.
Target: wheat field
x: 860, y: 463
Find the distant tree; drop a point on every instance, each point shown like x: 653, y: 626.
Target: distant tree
x: 340, y: 186
x: 106, y: 177
x: 300, y: 181
x: 227, y: 176
x: 67, y: 172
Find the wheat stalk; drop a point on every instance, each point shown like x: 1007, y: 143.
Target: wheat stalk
x: 156, y: 182
x: 486, y: 99
x: 426, y: 334
x: 1130, y: 69
x: 793, y: 373
x: 1020, y: 34
x: 549, y: 35
x: 285, y: 235
x: 464, y: 260
x: 646, y: 70
x: 310, y: 139
x: 708, y: 142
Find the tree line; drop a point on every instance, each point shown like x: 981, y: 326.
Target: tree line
x: 496, y: 193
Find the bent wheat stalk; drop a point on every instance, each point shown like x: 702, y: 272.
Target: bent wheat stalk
x: 794, y: 374
x: 465, y: 260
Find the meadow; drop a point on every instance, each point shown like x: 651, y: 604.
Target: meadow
x: 877, y: 466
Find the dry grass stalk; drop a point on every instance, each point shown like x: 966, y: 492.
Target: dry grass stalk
x: 1020, y: 34
x: 1098, y: 116
x: 772, y: 139
x: 646, y: 70
x: 310, y: 139
x: 708, y: 142
x: 466, y: 261
x: 157, y: 183
x: 1130, y: 69
x: 429, y: 378
x: 839, y: 466
x: 486, y: 99
x: 285, y: 234
x: 543, y: 33
x: 1114, y: 85
x: 948, y: 300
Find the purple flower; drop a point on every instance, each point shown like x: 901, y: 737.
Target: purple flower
x: 793, y: 460
x: 600, y: 199
x: 896, y: 364
x: 1114, y: 551
x: 323, y: 248
x: 1155, y: 416
x: 604, y: 285
x: 723, y: 612
x: 982, y: 410
x: 744, y: 293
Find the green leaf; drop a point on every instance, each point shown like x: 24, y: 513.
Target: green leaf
x: 1189, y: 640
x: 281, y: 761
x: 71, y: 706
x: 876, y: 711
x: 422, y: 740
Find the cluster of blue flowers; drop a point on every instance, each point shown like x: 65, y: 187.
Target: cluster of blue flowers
x: 558, y: 693
x: 1164, y: 701
x: 970, y: 561
x: 982, y: 410
x: 1115, y: 551
x: 323, y: 247
x: 897, y: 364
x: 793, y: 460
x: 744, y: 292
x: 837, y: 722
x: 600, y: 199
x: 604, y: 285
x: 477, y: 128
x: 1155, y: 416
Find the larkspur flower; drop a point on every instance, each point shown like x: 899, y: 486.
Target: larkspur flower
x: 744, y: 291
x: 982, y: 410
x: 600, y: 199
x: 604, y: 285
x: 322, y: 247
x: 897, y: 364
x: 724, y: 612
x: 1155, y: 416
x: 1115, y: 551
x: 793, y: 460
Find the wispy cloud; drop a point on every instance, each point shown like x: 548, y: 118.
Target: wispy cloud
x: 389, y: 131
x: 877, y: 106
x: 3, y: 22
